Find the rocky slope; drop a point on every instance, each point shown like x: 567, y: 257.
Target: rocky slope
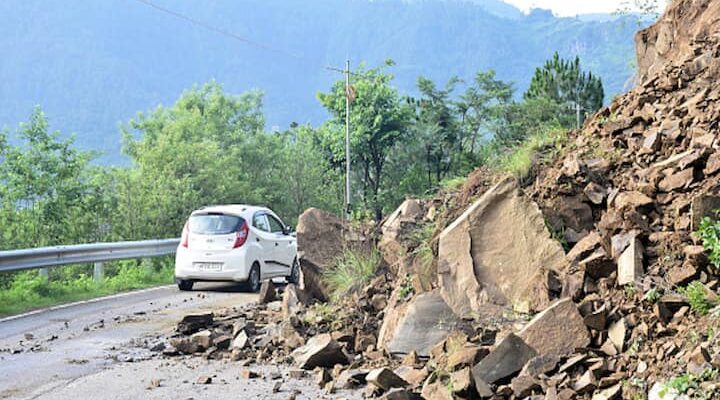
x: 477, y: 298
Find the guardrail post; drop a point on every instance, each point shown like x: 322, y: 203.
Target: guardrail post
x: 44, y: 273
x: 98, y: 272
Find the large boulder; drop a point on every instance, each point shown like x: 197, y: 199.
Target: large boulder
x: 490, y: 255
x: 417, y: 325
x: 320, y: 243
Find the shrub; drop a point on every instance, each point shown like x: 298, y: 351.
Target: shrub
x: 709, y: 233
x: 697, y: 297
x: 351, y: 271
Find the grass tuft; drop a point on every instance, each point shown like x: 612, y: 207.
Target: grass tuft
x: 520, y: 160
x: 351, y: 272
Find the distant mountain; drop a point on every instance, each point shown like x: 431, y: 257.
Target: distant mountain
x: 92, y: 65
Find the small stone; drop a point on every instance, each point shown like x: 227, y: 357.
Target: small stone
x: 204, y: 380
x: 248, y: 374
x: 507, y: 358
x: 297, y: 373
x: 240, y: 341
x: 202, y: 339
x: 630, y: 264
x: 276, y: 387
x: 385, y: 379
x: 411, y: 359
x: 595, y: 193
x: 461, y: 382
x: 676, y: 181
x: 466, y: 356
x: 616, y: 334
x: 267, y: 292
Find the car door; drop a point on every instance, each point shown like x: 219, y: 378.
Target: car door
x: 284, y: 244
x: 265, y: 239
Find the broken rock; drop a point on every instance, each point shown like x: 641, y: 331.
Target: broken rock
x: 488, y: 256
x: 320, y: 351
x: 510, y: 355
x: 558, y: 330
x: 630, y: 264
x: 385, y: 379
x: 418, y: 325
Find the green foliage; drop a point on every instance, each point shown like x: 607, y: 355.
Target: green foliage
x: 709, y: 233
x: 563, y: 82
x: 519, y: 160
x: 351, y: 272
x: 406, y: 288
x: 683, y: 383
x: 652, y: 296
x: 697, y: 297
x: 379, y: 120
x: 31, y: 291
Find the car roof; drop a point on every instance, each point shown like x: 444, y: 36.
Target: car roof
x: 242, y: 210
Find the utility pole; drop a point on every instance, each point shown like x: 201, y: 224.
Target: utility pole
x: 348, y: 197
x: 348, y: 92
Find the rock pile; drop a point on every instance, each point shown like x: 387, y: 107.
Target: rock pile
x: 480, y: 300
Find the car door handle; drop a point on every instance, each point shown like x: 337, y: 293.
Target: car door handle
x: 276, y: 243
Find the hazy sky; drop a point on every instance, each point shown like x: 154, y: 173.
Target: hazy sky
x: 570, y: 7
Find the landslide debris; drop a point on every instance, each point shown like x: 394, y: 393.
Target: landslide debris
x: 476, y: 296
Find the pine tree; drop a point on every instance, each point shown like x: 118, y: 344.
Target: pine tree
x: 562, y: 81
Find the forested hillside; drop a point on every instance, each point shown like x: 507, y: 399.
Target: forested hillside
x: 94, y: 65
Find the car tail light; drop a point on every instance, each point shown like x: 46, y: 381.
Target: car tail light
x: 241, y: 235
x: 185, y: 234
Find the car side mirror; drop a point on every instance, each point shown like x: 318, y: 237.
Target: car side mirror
x: 288, y: 230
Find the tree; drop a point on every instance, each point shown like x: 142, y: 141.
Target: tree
x: 484, y: 101
x: 562, y: 81
x: 437, y: 129
x: 378, y: 120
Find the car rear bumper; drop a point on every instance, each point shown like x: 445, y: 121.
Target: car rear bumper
x: 234, y: 265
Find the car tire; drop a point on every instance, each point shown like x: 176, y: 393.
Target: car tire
x: 185, y: 285
x: 253, y: 283
x: 294, y: 276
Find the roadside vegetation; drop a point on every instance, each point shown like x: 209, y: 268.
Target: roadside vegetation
x: 31, y: 291
x: 211, y: 147
x: 351, y: 272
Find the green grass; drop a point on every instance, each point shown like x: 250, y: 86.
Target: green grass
x: 697, y: 297
x: 29, y: 291
x: 520, y: 160
x: 351, y: 272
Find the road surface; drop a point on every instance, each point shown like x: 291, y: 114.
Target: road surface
x: 103, y: 349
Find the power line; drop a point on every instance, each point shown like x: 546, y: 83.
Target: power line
x: 217, y: 30
x: 239, y: 38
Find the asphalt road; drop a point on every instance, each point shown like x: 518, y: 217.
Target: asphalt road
x: 44, y: 352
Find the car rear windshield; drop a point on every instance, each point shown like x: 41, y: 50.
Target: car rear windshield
x: 214, y: 224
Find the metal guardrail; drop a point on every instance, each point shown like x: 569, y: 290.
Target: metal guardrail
x: 43, y: 257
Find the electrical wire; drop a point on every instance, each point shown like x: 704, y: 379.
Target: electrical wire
x: 239, y: 38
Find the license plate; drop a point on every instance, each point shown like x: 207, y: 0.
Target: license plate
x: 208, y: 266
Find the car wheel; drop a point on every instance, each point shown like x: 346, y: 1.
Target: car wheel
x: 185, y: 285
x: 294, y: 276
x: 253, y: 282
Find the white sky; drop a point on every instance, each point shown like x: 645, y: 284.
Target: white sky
x: 570, y: 7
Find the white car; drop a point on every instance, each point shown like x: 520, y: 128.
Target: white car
x: 238, y: 243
